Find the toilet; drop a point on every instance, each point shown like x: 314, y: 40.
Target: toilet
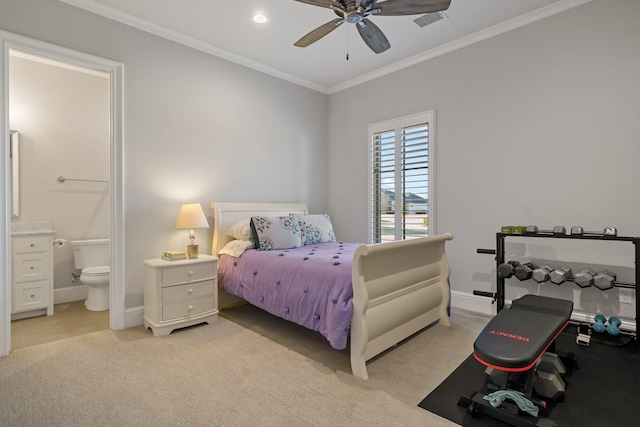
x: 93, y: 258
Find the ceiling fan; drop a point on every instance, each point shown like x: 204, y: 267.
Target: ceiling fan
x: 357, y: 11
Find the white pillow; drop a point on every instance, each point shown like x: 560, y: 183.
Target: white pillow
x: 316, y: 229
x: 235, y: 248
x: 241, y: 230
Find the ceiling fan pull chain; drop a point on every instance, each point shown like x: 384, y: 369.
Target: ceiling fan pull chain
x: 347, y: 43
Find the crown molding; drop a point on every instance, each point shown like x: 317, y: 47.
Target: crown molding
x: 164, y: 32
x: 476, y: 37
x: 178, y: 37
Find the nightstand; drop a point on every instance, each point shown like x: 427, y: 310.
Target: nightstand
x: 180, y: 293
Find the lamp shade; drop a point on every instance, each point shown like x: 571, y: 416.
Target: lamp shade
x: 191, y: 216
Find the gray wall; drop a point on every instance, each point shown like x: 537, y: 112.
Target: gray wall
x: 196, y: 128
x: 535, y: 126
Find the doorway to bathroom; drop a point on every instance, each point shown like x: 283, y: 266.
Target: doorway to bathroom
x: 61, y: 113
x: 66, y: 106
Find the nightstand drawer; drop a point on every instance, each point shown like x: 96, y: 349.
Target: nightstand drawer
x: 188, y: 291
x: 187, y: 308
x: 31, y: 244
x: 187, y: 273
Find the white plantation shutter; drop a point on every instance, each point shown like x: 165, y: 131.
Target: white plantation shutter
x: 400, y: 166
x: 383, y: 156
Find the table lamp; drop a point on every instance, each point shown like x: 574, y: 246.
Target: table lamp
x: 191, y: 217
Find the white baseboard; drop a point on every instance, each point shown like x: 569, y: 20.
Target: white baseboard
x: 472, y: 302
x: 463, y: 300
x: 71, y: 293
x: 133, y: 316
x: 628, y: 324
x: 484, y: 305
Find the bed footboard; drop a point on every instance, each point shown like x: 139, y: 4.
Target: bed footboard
x: 399, y: 288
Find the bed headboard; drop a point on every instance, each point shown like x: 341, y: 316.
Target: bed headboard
x: 226, y: 214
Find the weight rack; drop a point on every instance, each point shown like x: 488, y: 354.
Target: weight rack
x: 500, y: 259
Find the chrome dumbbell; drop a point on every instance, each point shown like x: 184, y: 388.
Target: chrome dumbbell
x: 541, y: 274
x: 560, y: 274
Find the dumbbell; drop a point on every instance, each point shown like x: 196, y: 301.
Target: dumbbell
x: 548, y: 380
x: 549, y: 384
x: 506, y: 270
x: 608, y: 231
x: 558, y: 229
x: 614, y: 326
x: 604, y: 280
x: 560, y: 274
x: 541, y: 274
x: 612, y: 329
x: 550, y: 361
x: 599, y: 325
x: 584, y: 278
x: 525, y: 271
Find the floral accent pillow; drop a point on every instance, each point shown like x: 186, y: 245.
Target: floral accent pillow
x: 316, y: 229
x: 278, y: 232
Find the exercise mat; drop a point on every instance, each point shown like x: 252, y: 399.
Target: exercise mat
x: 602, y: 392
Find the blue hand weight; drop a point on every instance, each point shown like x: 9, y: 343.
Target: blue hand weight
x: 599, y: 326
x: 614, y: 326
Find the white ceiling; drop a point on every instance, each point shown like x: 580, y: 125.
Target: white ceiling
x: 226, y: 29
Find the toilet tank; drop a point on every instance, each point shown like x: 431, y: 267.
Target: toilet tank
x: 90, y: 253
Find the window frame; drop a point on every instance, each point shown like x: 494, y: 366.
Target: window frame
x: 396, y: 126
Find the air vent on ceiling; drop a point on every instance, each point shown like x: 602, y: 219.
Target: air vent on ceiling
x: 429, y: 18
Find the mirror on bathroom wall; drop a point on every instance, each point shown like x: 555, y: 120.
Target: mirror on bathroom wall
x: 14, y: 153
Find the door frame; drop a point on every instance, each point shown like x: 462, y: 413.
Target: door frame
x: 10, y: 41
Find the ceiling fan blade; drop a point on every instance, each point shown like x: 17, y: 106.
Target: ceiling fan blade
x: 409, y: 7
x: 319, y: 32
x: 373, y: 36
x: 322, y: 3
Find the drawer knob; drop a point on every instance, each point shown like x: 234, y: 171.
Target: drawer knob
x: 32, y: 267
x: 190, y: 272
x: 190, y: 307
x: 33, y: 245
x: 33, y: 296
x: 190, y: 291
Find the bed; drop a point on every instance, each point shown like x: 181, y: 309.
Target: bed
x: 396, y: 288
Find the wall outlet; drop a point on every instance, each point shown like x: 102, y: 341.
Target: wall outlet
x: 626, y: 296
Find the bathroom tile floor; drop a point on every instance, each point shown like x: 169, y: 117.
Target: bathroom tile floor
x: 68, y: 320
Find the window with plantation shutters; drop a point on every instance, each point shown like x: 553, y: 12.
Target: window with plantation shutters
x: 401, y: 191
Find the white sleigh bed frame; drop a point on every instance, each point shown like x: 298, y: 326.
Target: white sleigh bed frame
x: 399, y: 287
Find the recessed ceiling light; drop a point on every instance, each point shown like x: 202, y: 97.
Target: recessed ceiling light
x: 260, y: 18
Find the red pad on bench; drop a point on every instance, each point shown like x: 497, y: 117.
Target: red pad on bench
x: 516, y: 338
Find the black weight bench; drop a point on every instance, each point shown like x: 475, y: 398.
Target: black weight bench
x: 512, y: 343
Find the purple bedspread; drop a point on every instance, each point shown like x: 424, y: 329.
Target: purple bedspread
x: 310, y: 286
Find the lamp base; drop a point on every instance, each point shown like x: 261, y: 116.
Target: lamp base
x: 192, y: 251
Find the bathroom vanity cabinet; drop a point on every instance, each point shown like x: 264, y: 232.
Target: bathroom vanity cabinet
x: 180, y: 293
x: 32, y: 274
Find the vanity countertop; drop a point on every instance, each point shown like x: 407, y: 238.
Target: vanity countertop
x: 31, y: 228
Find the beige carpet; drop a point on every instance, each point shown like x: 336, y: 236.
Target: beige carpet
x: 254, y: 370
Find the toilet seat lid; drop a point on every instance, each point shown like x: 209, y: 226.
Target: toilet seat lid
x: 101, y: 270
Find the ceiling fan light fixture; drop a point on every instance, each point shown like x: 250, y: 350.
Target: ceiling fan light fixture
x: 357, y: 12
x: 259, y: 18
x: 353, y: 17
